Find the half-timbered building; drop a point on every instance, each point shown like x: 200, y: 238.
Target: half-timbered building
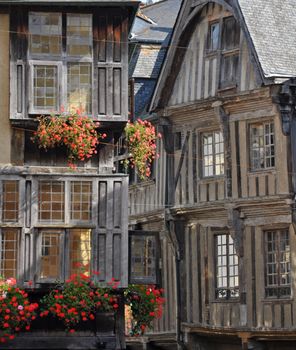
x: 71, y: 54
x: 225, y: 201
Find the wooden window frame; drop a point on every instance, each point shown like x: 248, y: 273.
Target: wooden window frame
x: 18, y: 249
x: 64, y: 252
x: 61, y: 62
x: 226, y: 53
x: 145, y: 280
x: 250, y: 126
x: 279, y: 287
x: 209, y: 47
x: 227, y: 289
x: 202, y: 155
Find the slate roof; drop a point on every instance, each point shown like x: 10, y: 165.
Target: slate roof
x: 163, y: 14
x: 151, y: 32
x: 272, y: 27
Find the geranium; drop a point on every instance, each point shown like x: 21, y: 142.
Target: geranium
x: 16, y: 311
x: 146, y: 304
x: 75, y: 131
x: 141, y: 139
x: 78, y: 300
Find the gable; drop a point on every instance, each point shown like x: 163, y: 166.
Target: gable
x: 207, y: 70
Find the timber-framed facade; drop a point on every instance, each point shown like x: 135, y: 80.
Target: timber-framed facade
x: 225, y: 106
x: 63, y: 55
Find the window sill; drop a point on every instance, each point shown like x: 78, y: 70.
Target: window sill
x: 262, y: 171
x: 211, y: 179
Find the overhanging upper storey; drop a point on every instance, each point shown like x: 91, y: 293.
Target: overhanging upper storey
x: 73, y: 55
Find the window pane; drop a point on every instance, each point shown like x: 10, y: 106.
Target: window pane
x: 278, y: 265
x: 45, y: 87
x: 80, y: 250
x: 213, y: 154
x: 51, y: 201
x: 10, y: 201
x: 214, y: 34
x: 50, y: 256
x: 45, y: 33
x: 9, y: 252
x: 79, y: 35
x: 143, y: 257
x: 81, y: 197
x: 227, y: 282
x: 231, y: 34
x: 262, y: 151
x: 79, y: 86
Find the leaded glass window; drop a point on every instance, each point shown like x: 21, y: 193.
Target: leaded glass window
x: 81, y: 198
x: 278, y: 263
x: 80, y: 250
x: 9, y: 247
x: 10, y: 201
x: 227, y: 276
x: 262, y: 146
x: 50, y: 262
x: 51, y: 201
x: 212, y: 154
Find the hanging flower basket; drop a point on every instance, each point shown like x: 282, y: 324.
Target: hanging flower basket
x: 78, y: 133
x: 141, y: 140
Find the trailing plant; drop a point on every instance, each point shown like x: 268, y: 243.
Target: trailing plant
x: 77, y: 132
x: 146, y: 304
x: 141, y: 139
x: 77, y: 300
x: 16, y: 311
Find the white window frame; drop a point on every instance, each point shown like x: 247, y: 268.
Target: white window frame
x: 203, y: 155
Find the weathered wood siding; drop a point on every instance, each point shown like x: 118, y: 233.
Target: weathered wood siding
x: 148, y: 196
x: 198, y: 77
x: 4, y: 96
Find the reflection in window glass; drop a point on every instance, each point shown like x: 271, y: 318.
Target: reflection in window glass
x: 80, y: 250
x: 51, y: 201
x: 50, y: 263
x: 79, y: 87
x: 45, y: 33
x: 214, y: 34
x: 45, y: 87
x: 10, y: 201
x: 9, y: 247
x: 278, y: 264
x: 227, y: 283
x: 81, y: 196
x: 143, y: 257
x: 213, y: 154
x: 262, y: 146
x: 79, y: 35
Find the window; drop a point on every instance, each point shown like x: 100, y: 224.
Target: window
x: 81, y: 198
x: 9, y: 247
x: 213, y: 37
x: 144, y: 256
x: 227, y: 282
x: 55, y: 254
x: 51, y: 61
x: 212, y: 154
x: 10, y: 204
x: 80, y: 250
x: 262, y: 150
x: 278, y: 264
x: 51, y: 201
x: 230, y: 53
